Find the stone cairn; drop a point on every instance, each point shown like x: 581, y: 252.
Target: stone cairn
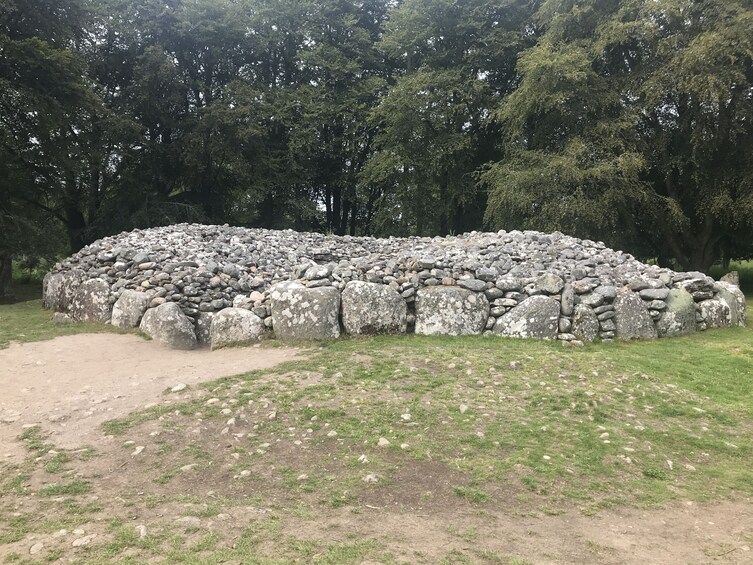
x: 188, y: 284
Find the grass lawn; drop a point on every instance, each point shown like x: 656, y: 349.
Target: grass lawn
x: 25, y: 320
x: 413, y: 424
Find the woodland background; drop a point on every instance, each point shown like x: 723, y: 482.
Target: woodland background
x: 625, y: 121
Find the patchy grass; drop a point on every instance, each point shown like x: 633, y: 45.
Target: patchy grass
x: 471, y: 494
x: 591, y: 427
x: 58, y: 489
x: 35, y: 440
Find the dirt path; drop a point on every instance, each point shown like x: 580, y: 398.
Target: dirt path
x: 681, y: 533
x: 70, y: 385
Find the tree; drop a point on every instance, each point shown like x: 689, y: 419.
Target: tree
x: 452, y: 61
x: 632, y: 123
x: 43, y: 96
x: 344, y: 73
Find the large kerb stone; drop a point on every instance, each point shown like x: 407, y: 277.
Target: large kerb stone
x: 450, y: 311
x: 371, y: 308
x: 305, y: 313
x: 129, y: 308
x: 679, y: 316
x: 91, y: 301
x: 235, y: 326
x: 59, y: 289
x: 585, y: 324
x: 537, y: 316
x: 631, y: 317
x: 168, y: 325
x: 735, y: 299
x: 716, y: 313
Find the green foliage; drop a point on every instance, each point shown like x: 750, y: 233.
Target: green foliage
x: 630, y: 115
x: 453, y: 60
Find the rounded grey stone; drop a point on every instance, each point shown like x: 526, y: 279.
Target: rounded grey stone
x: 715, y: 313
x: 679, y: 316
x: 537, y: 316
x: 129, y: 308
x: 305, y: 313
x: 235, y: 326
x: 472, y: 284
x: 509, y: 283
x: 631, y: 317
x: 168, y: 325
x: 447, y: 310
x: 372, y: 308
x: 91, y: 301
x: 654, y: 293
x: 568, y: 300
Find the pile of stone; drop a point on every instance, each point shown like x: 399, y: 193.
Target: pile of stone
x: 190, y: 284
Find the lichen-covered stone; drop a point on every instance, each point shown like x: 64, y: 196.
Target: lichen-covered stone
x: 372, y: 308
x: 549, y: 283
x: 715, y: 313
x: 60, y: 288
x: 450, y: 311
x: 129, y: 308
x: 567, y: 302
x: 696, y: 283
x: 203, y: 327
x: 654, y: 293
x: 585, y: 324
x: 735, y: 299
x: 168, y: 325
x: 679, y: 316
x: 235, y: 326
x: 305, y: 313
x: 537, y: 316
x: 733, y: 278
x: 509, y: 283
x: 91, y: 302
x: 631, y: 317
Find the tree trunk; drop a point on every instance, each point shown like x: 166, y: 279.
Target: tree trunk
x: 6, y: 277
x: 76, y: 227
x: 444, y: 207
x: 696, y: 254
x: 703, y: 257
x: 334, y: 223
x: 342, y: 228
x: 353, y: 213
x: 328, y: 206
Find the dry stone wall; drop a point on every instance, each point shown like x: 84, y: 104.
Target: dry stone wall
x: 191, y: 284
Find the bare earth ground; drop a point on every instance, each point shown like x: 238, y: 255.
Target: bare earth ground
x: 70, y: 385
